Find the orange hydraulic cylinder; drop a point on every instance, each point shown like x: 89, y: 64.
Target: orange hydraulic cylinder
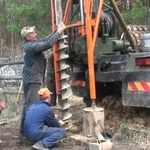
x: 55, y: 48
x: 91, y: 40
x: 90, y: 50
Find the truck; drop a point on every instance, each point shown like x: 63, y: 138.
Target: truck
x: 102, y: 56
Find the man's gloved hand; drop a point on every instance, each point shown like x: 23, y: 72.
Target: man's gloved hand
x: 62, y: 122
x: 61, y: 27
x: 56, y: 116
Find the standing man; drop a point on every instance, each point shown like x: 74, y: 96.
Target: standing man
x: 41, y: 126
x: 34, y: 63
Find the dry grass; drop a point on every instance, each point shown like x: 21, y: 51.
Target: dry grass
x: 139, y: 136
x: 13, y: 107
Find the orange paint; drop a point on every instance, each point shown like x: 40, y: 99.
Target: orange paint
x: 87, y: 31
x: 91, y: 40
x: 56, y: 55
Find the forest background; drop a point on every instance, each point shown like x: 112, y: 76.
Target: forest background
x: 18, y: 13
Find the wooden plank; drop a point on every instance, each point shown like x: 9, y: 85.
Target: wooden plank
x: 11, y: 60
x: 11, y: 91
x: 11, y: 63
x: 10, y: 77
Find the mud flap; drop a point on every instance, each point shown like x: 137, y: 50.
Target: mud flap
x: 136, y: 89
x: 79, y: 88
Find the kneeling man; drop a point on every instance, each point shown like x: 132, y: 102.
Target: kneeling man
x: 41, y: 126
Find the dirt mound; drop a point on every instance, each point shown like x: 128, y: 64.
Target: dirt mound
x: 133, y: 123
x: 116, y: 114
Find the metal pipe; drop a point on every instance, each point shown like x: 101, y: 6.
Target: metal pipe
x: 56, y: 14
x: 82, y: 12
x: 55, y: 47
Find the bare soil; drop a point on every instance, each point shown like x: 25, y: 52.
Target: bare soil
x: 130, y: 127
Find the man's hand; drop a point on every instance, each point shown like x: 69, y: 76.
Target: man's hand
x: 63, y: 122
x: 2, y: 106
x: 56, y: 116
x: 61, y: 27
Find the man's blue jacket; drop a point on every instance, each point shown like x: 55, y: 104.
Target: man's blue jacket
x: 39, y: 117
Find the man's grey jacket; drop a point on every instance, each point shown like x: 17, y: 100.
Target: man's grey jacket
x: 34, y: 60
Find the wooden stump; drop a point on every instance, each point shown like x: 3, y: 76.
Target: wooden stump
x: 90, y: 117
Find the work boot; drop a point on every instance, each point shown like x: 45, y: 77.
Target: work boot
x: 39, y: 146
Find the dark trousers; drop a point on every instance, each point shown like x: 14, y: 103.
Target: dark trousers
x: 50, y: 82
x: 30, y: 96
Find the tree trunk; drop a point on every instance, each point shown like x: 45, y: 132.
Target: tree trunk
x: 91, y: 127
